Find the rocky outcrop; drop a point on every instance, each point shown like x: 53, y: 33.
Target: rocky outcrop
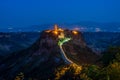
x: 43, y: 56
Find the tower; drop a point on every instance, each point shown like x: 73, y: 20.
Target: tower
x: 55, y: 27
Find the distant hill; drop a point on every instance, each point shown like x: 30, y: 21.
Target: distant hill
x: 11, y: 42
x: 85, y: 26
x: 101, y: 41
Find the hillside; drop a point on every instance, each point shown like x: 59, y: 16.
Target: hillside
x: 97, y: 41
x: 40, y: 60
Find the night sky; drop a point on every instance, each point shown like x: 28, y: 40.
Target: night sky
x: 21, y: 13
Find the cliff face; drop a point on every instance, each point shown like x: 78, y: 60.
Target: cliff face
x: 77, y: 50
x: 43, y: 56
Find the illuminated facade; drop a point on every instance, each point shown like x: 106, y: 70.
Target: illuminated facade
x: 74, y: 32
x: 61, y: 35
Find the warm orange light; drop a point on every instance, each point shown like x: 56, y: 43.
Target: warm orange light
x: 55, y: 32
x: 48, y: 31
x: 60, y: 29
x: 75, y: 32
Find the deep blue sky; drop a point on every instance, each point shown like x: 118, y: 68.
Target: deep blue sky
x: 21, y: 13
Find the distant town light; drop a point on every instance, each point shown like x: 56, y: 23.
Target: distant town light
x: 97, y: 29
